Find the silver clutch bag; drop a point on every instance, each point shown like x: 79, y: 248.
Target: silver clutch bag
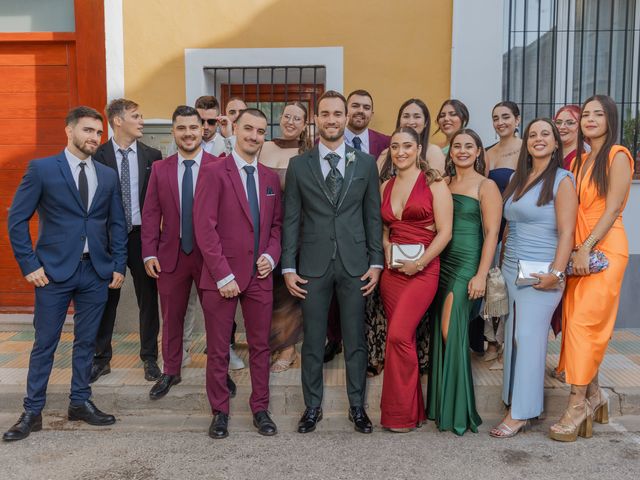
x: 526, y: 268
x: 409, y: 253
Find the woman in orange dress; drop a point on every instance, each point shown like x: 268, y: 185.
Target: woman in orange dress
x: 590, y: 303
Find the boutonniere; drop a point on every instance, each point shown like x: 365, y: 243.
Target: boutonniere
x: 351, y: 157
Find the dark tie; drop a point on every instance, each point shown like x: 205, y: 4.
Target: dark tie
x: 125, y: 186
x: 252, y: 196
x: 186, y: 242
x: 83, y: 186
x: 334, y: 177
x: 357, y: 143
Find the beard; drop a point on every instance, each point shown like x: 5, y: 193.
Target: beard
x: 358, y: 122
x: 331, y: 138
x: 183, y: 146
x: 85, y: 147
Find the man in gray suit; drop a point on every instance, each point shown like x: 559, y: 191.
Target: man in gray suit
x: 332, y: 201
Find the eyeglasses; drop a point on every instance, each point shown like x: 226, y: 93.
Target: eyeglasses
x: 211, y: 121
x: 291, y: 118
x: 567, y: 123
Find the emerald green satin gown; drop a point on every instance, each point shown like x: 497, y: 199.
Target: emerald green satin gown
x: 450, y: 397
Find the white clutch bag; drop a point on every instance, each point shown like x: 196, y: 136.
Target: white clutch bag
x: 409, y: 253
x: 526, y: 268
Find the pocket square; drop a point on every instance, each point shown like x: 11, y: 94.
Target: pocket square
x: 270, y: 191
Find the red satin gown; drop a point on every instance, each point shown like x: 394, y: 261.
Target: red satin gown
x: 406, y: 299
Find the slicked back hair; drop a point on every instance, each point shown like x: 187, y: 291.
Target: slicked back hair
x: 82, y: 111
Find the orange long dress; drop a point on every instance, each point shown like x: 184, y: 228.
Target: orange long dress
x: 590, y: 303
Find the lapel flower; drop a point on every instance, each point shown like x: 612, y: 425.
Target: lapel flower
x: 351, y: 157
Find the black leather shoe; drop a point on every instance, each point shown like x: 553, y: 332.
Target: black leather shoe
x: 89, y: 413
x: 27, y: 423
x: 231, y: 385
x: 265, y: 425
x: 98, y: 370
x: 360, y: 420
x: 331, y: 349
x: 151, y: 371
x: 309, y: 420
x: 163, y: 385
x: 219, y: 427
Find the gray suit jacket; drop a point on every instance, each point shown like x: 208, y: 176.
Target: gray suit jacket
x: 320, y: 231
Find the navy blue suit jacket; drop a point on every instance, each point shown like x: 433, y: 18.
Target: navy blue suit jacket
x: 49, y: 188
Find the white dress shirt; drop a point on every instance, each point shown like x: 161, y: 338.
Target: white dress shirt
x: 219, y: 145
x: 323, y: 151
x: 241, y: 163
x: 364, y: 138
x: 136, y: 217
x: 92, y: 179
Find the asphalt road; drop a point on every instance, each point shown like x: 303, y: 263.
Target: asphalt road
x: 177, y: 447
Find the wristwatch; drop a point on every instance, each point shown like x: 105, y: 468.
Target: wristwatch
x: 561, y: 276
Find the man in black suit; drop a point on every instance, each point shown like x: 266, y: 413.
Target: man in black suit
x: 132, y: 160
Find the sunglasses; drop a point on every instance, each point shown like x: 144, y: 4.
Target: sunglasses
x: 211, y: 121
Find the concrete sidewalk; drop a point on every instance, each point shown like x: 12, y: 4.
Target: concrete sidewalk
x: 124, y: 390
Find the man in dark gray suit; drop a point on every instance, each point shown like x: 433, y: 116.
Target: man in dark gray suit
x: 332, y: 201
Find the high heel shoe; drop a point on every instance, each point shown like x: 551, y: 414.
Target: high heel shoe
x: 505, y: 431
x: 581, y: 424
x: 600, y: 405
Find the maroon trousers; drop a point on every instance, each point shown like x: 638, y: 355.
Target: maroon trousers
x: 257, y: 306
x: 174, y: 289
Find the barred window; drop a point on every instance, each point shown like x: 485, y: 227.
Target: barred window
x: 563, y: 51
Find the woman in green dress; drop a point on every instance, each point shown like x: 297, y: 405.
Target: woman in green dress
x: 464, y: 264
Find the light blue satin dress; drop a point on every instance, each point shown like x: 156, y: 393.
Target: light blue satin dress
x: 532, y: 235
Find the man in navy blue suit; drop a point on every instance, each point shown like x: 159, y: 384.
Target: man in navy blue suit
x: 80, y: 253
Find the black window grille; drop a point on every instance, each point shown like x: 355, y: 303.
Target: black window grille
x: 560, y: 52
x: 269, y: 88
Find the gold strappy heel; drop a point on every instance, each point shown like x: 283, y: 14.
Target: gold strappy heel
x: 581, y: 424
x: 600, y: 403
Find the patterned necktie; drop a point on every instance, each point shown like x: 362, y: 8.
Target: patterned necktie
x: 357, y: 143
x: 186, y: 241
x: 334, y: 177
x: 125, y: 186
x: 252, y: 196
x: 83, y: 186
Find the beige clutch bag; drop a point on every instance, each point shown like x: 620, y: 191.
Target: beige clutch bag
x: 409, y: 253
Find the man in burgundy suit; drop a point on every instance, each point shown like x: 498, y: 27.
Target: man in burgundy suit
x: 359, y: 136
x: 238, y: 220
x: 169, y: 250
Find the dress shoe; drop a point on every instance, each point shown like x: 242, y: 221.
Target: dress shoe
x: 331, y: 349
x: 89, y: 413
x: 98, y: 370
x: 360, y: 420
x: 265, y: 425
x: 27, y: 423
x: 219, y: 427
x: 151, y: 371
x: 235, y: 362
x: 231, y: 385
x: 163, y: 385
x: 309, y: 420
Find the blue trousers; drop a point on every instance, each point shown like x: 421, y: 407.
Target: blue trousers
x: 89, y: 294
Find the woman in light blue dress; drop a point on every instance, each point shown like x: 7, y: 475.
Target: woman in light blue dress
x: 540, y: 205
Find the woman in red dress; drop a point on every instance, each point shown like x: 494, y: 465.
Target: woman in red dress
x: 567, y: 120
x: 416, y: 208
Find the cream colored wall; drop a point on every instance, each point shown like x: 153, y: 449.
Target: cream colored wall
x: 395, y: 49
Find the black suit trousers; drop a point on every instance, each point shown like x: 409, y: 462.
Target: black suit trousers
x: 147, y: 297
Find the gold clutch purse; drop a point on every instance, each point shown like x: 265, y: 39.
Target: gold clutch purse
x: 409, y: 253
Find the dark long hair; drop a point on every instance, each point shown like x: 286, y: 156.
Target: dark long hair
x: 517, y: 184
x: 600, y: 172
x: 387, y: 167
x: 460, y: 108
x: 479, y: 165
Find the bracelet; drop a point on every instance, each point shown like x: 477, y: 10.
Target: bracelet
x: 419, y: 265
x: 590, y: 242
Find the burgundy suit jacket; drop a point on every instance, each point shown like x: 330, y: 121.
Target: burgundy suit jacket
x: 224, y: 228
x: 160, y: 233
x: 377, y: 143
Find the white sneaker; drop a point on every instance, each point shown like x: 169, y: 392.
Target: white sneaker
x: 235, y: 362
x: 186, y: 358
